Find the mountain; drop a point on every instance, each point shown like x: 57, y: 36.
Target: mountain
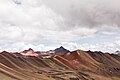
x: 117, y: 52
x: 75, y: 65
x: 58, y: 51
x: 29, y: 52
x: 61, y: 51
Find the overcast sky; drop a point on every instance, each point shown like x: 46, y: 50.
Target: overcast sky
x: 47, y: 24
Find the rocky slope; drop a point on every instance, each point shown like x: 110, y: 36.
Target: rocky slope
x: 76, y: 65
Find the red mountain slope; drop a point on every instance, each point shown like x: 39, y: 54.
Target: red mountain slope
x: 76, y: 65
x: 29, y: 52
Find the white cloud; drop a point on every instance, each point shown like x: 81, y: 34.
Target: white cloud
x: 32, y: 21
x: 105, y: 46
x: 70, y: 45
x: 20, y: 46
x: 96, y: 13
x: 24, y: 22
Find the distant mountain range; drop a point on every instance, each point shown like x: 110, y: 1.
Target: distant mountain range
x: 59, y: 64
x: 117, y: 52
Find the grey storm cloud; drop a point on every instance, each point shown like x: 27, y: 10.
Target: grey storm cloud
x: 106, y: 12
x: 88, y: 13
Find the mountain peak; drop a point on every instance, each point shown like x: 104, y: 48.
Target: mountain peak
x: 29, y: 52
x: 4, y: 52
x: 118, y: 53
x: 61, y: 50
x: 62, y: 47
x: 30, y: 49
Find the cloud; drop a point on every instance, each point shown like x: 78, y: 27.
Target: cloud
x: 25, y: 22
x: 20, y: 46
x: 32, y: 21
x: 95, y: 13
x: 10, y: 32
x: 70, y: 45
x: 98, y: 14
x: 105, y: 46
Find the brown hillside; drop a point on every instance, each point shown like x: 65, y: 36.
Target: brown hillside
x: 76, y: 65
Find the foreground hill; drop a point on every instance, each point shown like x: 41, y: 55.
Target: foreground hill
x: 76, y: 65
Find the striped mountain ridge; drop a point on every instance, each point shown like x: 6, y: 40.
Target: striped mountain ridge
x: 74, y: 65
